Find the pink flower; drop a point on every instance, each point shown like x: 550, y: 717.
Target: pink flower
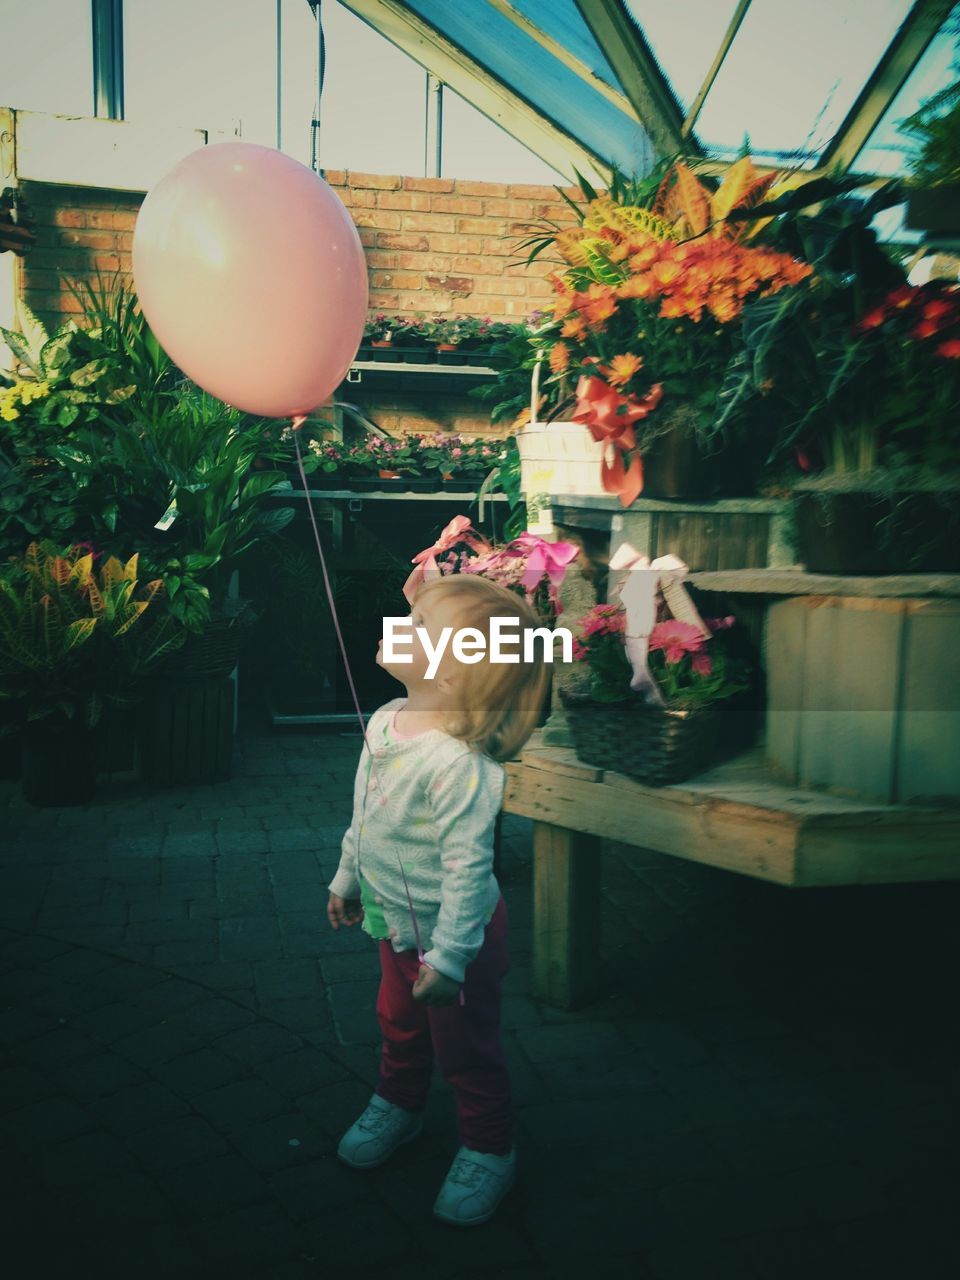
x: 702, y: 663
x: 676, y: 639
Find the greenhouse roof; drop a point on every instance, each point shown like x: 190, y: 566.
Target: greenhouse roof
x: 818, y: 85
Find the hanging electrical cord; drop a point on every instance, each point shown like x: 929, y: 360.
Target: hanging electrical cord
x: 321, y: 71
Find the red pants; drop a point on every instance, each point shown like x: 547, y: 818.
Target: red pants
x: 464, y: 1038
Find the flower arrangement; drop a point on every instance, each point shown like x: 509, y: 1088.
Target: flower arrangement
x: 688, y: 667
x: 647, y: 308
x: 528, y: 565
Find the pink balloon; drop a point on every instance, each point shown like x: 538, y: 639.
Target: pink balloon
x: 251, y: 275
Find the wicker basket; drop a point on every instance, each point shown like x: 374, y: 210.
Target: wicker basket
x: 655, y: 746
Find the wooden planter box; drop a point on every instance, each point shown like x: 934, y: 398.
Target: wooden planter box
x: 187, y: 732
x: 863, y: 681
x: 864, y: 696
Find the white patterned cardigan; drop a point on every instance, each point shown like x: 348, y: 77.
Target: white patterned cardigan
x: 434, y: 809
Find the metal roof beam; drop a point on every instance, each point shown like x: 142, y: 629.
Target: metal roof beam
x: 636, y: 68
x: 478, y: 86
x: 564, y: 55
x: 732, y: 28
x: 889, y: 76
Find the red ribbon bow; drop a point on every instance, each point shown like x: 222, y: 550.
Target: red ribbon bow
x: 610, y: 417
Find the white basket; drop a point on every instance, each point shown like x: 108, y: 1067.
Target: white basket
x: 555, y: 457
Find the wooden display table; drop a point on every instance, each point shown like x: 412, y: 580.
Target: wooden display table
x: 735, y: 817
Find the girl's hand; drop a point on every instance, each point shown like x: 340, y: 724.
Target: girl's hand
x: 343, y: 911
x: 435, y: 988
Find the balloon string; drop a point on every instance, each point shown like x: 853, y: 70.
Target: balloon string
x: 297, y: 423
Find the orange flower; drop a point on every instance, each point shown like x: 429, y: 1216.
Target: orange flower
x: 600, y: 306
x: 639, y: 286
x: 573, y: 327
x: 665, y: 273
x: 723, y: 307
x: 622, y: 368
x: 559, y: 357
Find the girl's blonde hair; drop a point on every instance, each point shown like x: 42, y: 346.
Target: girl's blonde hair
x: 496, y: 706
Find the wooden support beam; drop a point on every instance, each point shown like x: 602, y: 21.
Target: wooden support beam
x: 636, y: 68
x: 566, y: 898
x: 890, y: 74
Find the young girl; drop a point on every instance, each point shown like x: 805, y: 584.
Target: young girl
x: 416, y: 868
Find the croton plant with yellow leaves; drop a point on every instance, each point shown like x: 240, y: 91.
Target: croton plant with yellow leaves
x: 648, y: 304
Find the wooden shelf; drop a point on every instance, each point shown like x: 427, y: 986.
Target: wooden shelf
x: 739, y: 817
x: 796, y: 582
x: 736, y: 817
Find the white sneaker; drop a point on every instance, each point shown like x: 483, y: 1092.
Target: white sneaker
x: 379, y: 1131
x: 475, y: 1185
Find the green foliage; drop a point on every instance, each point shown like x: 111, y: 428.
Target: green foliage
x: 73, y: 639
x: 809, y: 380
x: 184, y: 475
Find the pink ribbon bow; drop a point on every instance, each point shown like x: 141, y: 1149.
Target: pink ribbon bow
x: 543, y: 557
x: 425, y: 562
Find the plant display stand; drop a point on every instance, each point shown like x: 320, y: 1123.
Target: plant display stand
x: 735, y: 816
x: 187, y: 732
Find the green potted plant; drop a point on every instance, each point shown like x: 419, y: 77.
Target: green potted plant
x: 848, y: 392
x: 74, y: 641
x: 378, y: 336
x: 411, y: 341
x: 699, y: 680
x: 446, y: 333
x: 60, y: 385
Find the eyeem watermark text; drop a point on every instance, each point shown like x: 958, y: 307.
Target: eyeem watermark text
x: 470, y: 644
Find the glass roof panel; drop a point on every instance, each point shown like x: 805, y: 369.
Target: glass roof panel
x: 561, y: 20
x: 793, y: 73
x: 533, y: 73
x: 888, y: 148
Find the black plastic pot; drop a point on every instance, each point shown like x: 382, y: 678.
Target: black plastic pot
x: 384, y: 352
x: 465, y: 483
x: 873, y: 533
x: 418, y: 355
x: 59, y: 762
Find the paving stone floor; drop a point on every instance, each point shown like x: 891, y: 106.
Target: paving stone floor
x: 768, y: 1089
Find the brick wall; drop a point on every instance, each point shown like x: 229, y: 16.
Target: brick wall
x: 437, y: 245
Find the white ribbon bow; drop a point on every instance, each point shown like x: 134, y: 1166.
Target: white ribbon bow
x: 638, y: 594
